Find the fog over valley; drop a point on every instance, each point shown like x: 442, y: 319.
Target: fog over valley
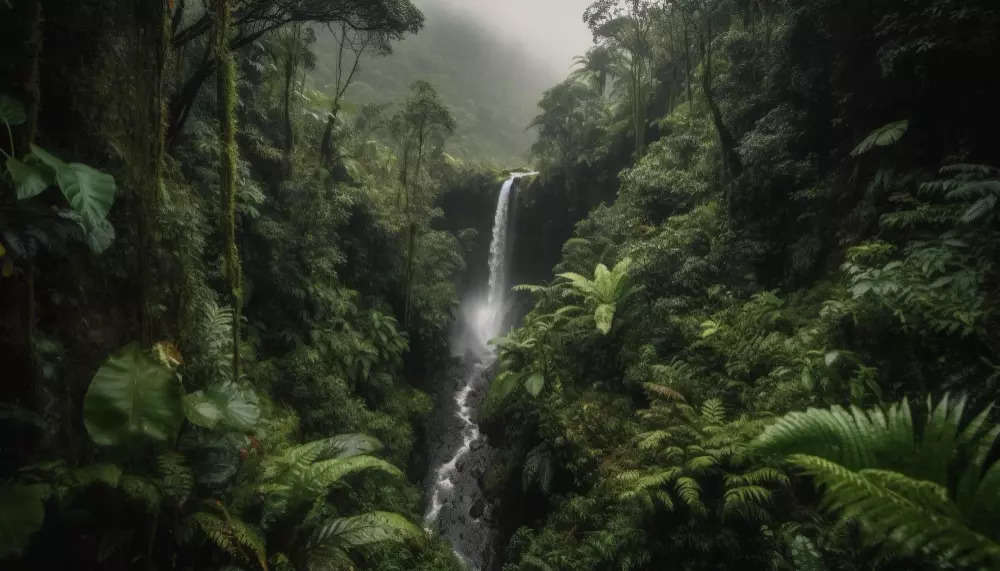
x: 490, y: 61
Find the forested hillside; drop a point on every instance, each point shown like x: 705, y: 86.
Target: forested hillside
x: 743, y: 309
x: 772, y: 345
x: 490, y: 84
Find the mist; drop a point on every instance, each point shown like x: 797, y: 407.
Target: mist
x: 549, y: 32
x: 490, y: 61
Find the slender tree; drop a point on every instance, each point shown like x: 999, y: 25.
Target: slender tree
x: 629, y: 25
x: 291, y: 53
x: 727, y: 141
x: 596, y: 67
x: 351, y: 46
x: 424, y: 123
x: 255, y: 19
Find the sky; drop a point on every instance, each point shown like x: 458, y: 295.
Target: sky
x: 551, y: 30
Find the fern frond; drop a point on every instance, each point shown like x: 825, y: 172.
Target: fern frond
x: 529, y: 288
x: 536, y: 562
x: 326, y: 473
x: 176, y: 478
x: 232, y: 536
x: 854, y: 439
x: 652, y: 440
x: 713, y: 412
x: 689, y: 491
x: 740, y: 497
x: 758, y: 477
x: 655, y: 390
x: 970, y: 169
x: 141, y: 490
x: 348, y: 445
x: 912, y: 527
x: 645, y: 485
x: 927, y: 494
x: 881, y: 137
x: 356, y: 531
x: 699, y: 464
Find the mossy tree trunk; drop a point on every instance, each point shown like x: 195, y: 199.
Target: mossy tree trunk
x: 144, y: 171
x: 227, y: 129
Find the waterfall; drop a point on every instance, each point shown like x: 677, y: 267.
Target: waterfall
x: 457, y: 508
x: 498, y: 265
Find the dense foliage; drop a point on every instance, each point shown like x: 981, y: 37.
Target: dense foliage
x: 806, y: 220
x: 757, y: 328
x: 219, y: 342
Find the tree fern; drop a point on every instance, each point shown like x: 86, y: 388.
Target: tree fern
x: 910, y: 525
x: 696, y: 446
x: 923, y: 482
x: 608, y: 289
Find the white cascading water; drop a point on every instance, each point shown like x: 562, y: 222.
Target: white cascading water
x: 493, y: 313
x: 457, y: 508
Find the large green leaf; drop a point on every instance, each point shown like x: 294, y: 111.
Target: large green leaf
x: 99, y: 235
x: 501, y: 387
x: 349, y: 445
x: 11, y: 111
x: 202, y: 410
x: 89, y: 191
x: 882, y: 137
x: 215, y: 464
x: 227, y: 404
x: 534, y: 384
x: 323, y: 474
x: 603, y: 317
x: 240, y: 409
x: 132, y: 396
x: 29, y: 181
x: 50, y: 160
x: 22, y: 515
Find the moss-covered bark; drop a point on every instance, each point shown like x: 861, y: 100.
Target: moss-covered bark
x: 227, y: 129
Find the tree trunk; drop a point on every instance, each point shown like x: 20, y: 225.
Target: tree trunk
x: 183, y: 101
x: 635, y: 111
x: 226, y: 87
x: 144, y: 175
x: 727, y: 142
x: 326, y: 145
x: 287, y: 112
x: 411, y: 214
x: 411, y: 252
x: 32, y: 91
x: 687, y: 71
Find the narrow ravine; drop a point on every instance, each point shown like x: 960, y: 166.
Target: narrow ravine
x: 457, y: 508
